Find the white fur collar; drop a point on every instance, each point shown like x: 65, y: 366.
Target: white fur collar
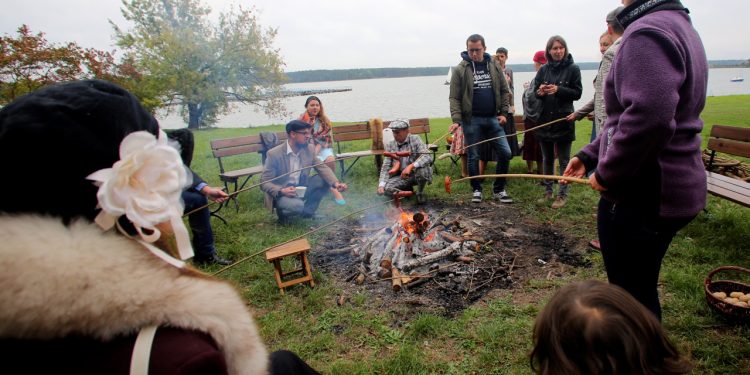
x: 59, y: 280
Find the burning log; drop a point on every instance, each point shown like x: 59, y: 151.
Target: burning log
x: 386, y: 262
x: 384, y: 273
x: 427, y: 259
x: 396, y: 280
x: 450, y: 237
x: 417, y: 282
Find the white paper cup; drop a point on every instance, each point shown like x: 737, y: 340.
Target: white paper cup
x: 301, y: 191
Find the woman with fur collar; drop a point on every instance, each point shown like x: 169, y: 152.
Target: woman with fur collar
x: 75, y: 292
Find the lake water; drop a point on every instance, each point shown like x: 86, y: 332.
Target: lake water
x: 412, y: 97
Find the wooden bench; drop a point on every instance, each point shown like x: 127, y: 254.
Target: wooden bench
x: 298, y: 248
x: 222, y: 149
x: 729, y: 140
x: 517, y: 120
x: 362, y: 131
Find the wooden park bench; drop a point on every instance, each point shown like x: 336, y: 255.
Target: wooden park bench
x: 223, y: 149
x: 517, y: 120
x: 361, y: 131
x: 729, y: 140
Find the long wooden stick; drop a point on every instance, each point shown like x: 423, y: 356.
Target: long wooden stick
x: 525, y: 175
x: 300, y: 236
x: 233, y: 194
x: 514, y: 134
x: 441, y: 137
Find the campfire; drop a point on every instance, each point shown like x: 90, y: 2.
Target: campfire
x: 411, y: 246
x: 443, y: 257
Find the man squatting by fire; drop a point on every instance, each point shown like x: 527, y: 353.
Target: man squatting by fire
x: 295, y: 158
x: 407, y: 163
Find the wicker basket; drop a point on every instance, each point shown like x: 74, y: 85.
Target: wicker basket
x: 727, y: 286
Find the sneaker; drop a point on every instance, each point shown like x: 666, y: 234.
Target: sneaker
x: 503, y: 197
x: 559, y: 202
x: 212, y: 259
x: 476, y: 197
x: 547, y: 197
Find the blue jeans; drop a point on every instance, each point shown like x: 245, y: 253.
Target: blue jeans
x: 200, y: 224
x: 479, y: 129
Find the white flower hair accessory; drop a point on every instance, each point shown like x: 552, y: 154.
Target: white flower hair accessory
x: 145, y: 185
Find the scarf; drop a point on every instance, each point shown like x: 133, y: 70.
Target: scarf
x: 642, y: 7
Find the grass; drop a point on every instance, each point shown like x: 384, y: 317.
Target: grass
x: 494, y: 335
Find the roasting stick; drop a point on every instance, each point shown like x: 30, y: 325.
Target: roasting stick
x: 449, y: 182
x: 435, y: 142
x: 301, y: 236
x: 445, y: 155
x: 233, y: 194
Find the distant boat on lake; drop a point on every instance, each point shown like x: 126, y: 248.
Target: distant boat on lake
x: 737, y: 79
x: 448, y: 77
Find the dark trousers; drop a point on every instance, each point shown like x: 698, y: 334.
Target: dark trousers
x: 479, y: 129
x: 548, y: 163
x: 200, y: 224
x: 317, y: 188
x: 284, y: 362
x: 634, y: 240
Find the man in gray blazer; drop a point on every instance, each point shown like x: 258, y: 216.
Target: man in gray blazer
x: 296, y: 157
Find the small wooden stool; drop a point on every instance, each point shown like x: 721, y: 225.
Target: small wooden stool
x: 299, y: 248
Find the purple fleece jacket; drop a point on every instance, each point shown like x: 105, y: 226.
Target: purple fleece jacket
x: 654, y: 95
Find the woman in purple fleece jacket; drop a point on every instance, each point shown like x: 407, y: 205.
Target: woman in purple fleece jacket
x: 648, y: 157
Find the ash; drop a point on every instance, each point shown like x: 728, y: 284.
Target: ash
x: 444, y: 257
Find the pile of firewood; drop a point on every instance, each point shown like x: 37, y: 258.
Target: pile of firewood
x: 727, y: 167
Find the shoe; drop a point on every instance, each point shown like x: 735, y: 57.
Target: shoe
x: 421, y: 198
x: 559, y: 202
x: 213, y: 259
x: 503, y: 197
x: 338, y: 198
x: 547, y: 197
x: 476, y: 197
x: 313, y: 216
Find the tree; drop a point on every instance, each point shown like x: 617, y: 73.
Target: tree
x: 203, y: 67
x: 29, y: 61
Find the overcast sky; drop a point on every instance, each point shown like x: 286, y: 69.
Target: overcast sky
x: 338, y: 34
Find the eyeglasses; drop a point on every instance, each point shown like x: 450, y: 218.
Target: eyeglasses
x: 306, y: 134
x: 475, y: 50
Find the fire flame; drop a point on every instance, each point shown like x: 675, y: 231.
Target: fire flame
x: 407, y: 222
x: 430, y: 236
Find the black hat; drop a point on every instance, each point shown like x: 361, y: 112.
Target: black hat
x: 296, y: 125
x: 53, y: 138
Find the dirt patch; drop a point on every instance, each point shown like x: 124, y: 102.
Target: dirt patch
x: 513, y: 250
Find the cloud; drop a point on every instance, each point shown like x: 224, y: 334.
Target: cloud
x: 337, y: 34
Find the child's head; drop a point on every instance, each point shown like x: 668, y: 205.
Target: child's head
x: 592, y: 327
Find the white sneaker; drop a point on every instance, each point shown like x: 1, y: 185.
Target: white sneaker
x: 503, y: 197
x: 477, y: 197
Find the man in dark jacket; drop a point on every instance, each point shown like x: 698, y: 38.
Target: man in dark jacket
x: 479, y: 104
x: 198, y: 195
x: 648, y: 158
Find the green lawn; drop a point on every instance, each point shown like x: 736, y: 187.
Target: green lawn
x: 493, y: 336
